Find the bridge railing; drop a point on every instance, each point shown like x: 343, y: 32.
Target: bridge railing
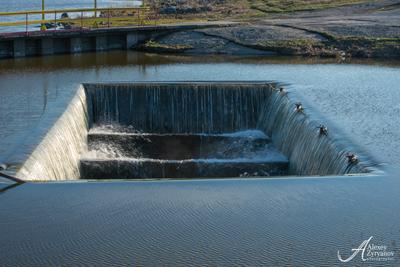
x: 75, y: 19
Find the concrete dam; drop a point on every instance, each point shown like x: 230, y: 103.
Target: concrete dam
x: 187, y: 130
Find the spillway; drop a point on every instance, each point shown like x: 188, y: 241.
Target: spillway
x: 187, y: 130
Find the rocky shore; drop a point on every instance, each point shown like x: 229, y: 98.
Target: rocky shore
x: 366, y: 30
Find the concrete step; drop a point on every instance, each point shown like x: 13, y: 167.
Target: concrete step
x: 129, y: 155
x: 179, y: 146
x: 203, y: 168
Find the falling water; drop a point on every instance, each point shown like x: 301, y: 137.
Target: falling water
x: 57, y: 156
x: 297, y: 136
x: 178, y: 108
x: 198, y: 108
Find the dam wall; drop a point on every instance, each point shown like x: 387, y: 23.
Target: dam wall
x: 191, y: 108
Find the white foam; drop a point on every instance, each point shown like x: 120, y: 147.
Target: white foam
x: 248, y: 134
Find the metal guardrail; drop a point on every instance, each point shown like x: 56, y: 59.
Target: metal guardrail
x: 12, y: 178
x: 78, y: 18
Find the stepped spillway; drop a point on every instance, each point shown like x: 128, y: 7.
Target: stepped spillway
x: 186, y: 130
x: 142, y: 155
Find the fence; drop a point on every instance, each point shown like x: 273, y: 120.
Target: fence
x: 75, y: 19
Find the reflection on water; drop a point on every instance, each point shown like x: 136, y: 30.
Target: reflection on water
x: 125, y: 59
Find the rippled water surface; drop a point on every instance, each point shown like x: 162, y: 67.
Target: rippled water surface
x: 300, y: 222
x: 266, y: 222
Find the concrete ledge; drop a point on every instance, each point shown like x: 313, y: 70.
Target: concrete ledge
x: 101, y: 43
x: 76, y: 45
x: 82, y: 40
x: 47, y: 46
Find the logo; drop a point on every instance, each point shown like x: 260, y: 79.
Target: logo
x: 369, y: 252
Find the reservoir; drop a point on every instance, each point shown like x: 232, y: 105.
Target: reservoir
x: 231, y: 222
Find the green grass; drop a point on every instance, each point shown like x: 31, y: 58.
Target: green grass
x: 124, y: 21
x: 157, y: 45
x: 296, y: 43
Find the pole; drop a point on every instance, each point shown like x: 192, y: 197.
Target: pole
x: 12, y: 178
x: 95, y: 8
x: 43, y: 27
x: 42, y: 9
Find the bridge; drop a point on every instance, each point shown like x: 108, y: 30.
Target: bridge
x: 85, y: 29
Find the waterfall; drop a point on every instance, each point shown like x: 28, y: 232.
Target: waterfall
x: 178, y: 107
x: 296, y: 135
x: 211, y: 108
x: 57, y: 156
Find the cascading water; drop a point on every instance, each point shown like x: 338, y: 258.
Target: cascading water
x: 179, y: 130
x: 179, y: 107
x: 297, y: 136
x: 57, y: 156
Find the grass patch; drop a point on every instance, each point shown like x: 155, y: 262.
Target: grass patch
x: 154, y: 46
x: 91, y: 22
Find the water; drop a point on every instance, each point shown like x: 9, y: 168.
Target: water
x: 219, y: 108
x: 171, y: 116
x: 221, y: 222
x: 184, y: 130
x: 183, y: 108
x: 362, y: 100
x: 29, y: 5
x: 57, y: 154
x: 176, y: 146
x: 300, y: 222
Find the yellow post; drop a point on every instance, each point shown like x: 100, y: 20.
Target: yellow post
x: 95, y: 25
x: 43, y: 27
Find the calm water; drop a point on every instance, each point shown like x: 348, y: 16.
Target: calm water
x: 283, y: 222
